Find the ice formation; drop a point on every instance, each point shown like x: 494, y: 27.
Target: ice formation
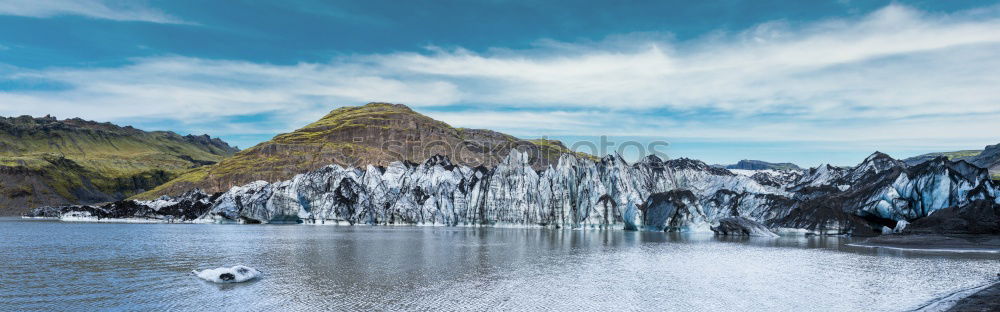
x: 650, y: 194
x: 235, y: 274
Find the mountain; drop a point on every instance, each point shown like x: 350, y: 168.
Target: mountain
x: 46, y: 161
x: 879, y: 195
x: 747, y: 164
x: 912, y: 161
x: 376, y: 134
x: 988, y: 157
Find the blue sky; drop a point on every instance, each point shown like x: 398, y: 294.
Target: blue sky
x: 803, y: 81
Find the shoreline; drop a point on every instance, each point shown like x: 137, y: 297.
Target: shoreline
x: 984, y: 297
x: 781, y: 232
x: 937, y: 243
x: 930, y: 250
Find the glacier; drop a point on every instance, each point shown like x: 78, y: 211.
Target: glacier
x: 652, y: 194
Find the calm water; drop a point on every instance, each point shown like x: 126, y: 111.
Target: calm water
x: 88, y: 266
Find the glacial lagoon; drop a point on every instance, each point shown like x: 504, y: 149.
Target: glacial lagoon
x: 50, y: 265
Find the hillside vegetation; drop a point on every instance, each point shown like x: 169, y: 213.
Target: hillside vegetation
x: 45, y: 161
x: 376, y: 134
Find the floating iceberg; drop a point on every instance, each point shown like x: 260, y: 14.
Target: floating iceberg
x: 236, y: 274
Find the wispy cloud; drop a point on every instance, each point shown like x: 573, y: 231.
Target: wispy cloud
x: 896, y: 75
x: 99, y: 9
x: 895, y: 61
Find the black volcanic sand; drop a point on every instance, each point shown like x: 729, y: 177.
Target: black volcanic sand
x: 985, y: 300
x: 936, y: 242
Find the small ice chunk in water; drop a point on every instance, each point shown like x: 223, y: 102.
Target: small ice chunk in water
x: 900, y: 226
x: 236, y: 274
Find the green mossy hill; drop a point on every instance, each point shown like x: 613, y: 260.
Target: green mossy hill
x: 964, y: 154
x: 961, y: 154
x: 45, y: 161
x: 988, y: 157
x: 955, y: 154
x: 372, y: 134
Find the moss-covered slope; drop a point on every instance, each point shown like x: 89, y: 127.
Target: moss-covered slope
x: 376, y: 133
x: 988, y: 157
x: 45, y: 161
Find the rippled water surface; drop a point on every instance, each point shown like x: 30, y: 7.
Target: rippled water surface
x: 89, y: 266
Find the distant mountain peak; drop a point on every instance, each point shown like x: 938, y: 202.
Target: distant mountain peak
x: 748, y: 164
